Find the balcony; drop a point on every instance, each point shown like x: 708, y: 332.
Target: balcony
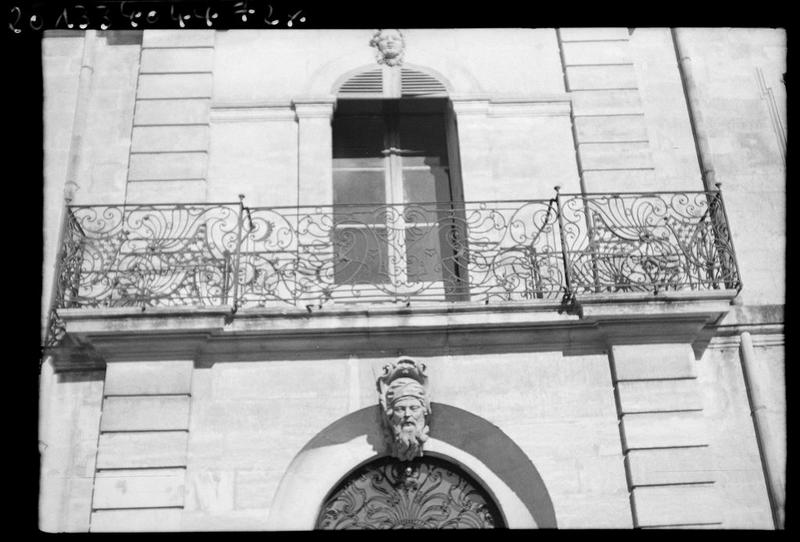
x: 229, y: 254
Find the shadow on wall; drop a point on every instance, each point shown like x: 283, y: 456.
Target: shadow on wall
x: 465, y: 431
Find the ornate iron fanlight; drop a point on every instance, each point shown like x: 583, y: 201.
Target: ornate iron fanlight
x: 426, y: 493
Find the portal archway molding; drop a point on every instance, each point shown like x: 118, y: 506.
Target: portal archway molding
x: 457, y: 436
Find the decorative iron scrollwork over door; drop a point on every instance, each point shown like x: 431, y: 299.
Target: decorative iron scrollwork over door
x: 426, y: 493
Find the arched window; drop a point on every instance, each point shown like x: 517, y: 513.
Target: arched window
x: 395, y: 182
x: 426, y: 493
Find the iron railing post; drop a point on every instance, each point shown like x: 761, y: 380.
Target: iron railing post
x: 728, y: 241
x: 709, y: 240
x: 590, y: 227
x: 226, y: 272
x: 296, y: 263
x: 460, y: 249
x: 76, y: 278
x: 238, y: 256
x: 568, y: 293
x: 57, y: 288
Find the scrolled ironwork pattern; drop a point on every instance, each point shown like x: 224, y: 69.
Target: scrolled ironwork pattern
x: 153, y: 255
x: 230, y: 254
x: 651, y: 242
x: 422, y: 494
x: 70, y: 261
x: 313, y: 255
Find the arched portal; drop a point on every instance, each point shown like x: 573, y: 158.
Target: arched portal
x: 478, y: 447
x: 426, y: 493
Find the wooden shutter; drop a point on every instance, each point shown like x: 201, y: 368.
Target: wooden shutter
x: 417, y: 83
x: 384, y: 82
x: 365, y: 83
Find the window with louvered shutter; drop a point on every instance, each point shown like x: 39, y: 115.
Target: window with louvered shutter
x: 384, y: 82
x: 392, y: 180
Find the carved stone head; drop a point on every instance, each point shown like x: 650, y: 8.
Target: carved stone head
x: 390, y: 45
x: 405, y: 405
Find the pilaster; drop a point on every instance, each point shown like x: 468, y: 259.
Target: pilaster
x: 170, y: 136
x: 69, y: 415
x: 664, y: 436
x: 140, y: 476
x: 315, y: 148
x: 474, y: 143
x: 611, y: 140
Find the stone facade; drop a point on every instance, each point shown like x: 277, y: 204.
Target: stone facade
x: 627, y: 411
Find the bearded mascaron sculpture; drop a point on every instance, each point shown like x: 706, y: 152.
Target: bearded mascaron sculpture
x: 405, y: 407
x: 390, y: 45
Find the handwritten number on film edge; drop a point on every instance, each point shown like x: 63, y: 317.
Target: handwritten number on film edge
x: 131, y: 14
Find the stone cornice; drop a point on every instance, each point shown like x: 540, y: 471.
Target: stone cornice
x: 512, y: 105
x: 324, y: 106
x: 556, y: 105
x: 472, y: 106
x: 763, y: 322
x: 518, y: 109
x: 623, y: 305
x: 275, y: 110
x: 753, y: 315
x: 314, y: 106
x: 764, y: 339
x: 512, y: 98
x: 253, y: 112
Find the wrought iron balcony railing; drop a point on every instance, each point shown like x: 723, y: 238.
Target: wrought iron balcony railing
x: 231, y: 254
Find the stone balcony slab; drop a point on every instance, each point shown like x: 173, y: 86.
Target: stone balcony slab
x: 210, y: 334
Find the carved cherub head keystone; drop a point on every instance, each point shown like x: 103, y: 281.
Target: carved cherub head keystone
x: 405, y: 406
x: 390, y: 45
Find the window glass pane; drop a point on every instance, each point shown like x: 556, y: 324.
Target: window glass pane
x: 359, y: 187
x: 419, y: 185
x: 357, y: 136
x: 423, y: 133
x: 428, y: 185
x: 423, y: 254
x: 361, y: 255
x: 425, y: 185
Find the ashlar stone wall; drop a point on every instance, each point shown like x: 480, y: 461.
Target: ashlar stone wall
x: 250, y: 419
